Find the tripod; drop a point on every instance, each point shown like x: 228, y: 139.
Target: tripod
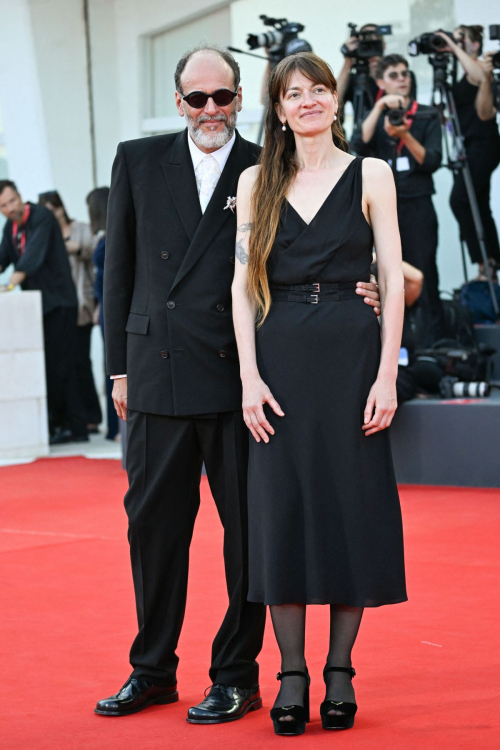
x: 443, y: 101
x: 361, y: 92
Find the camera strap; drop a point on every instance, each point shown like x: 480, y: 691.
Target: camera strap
x: 19, y: 232
x: 408, y: 114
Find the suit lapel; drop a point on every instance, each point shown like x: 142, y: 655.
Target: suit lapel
x: 178, y: 170
x: 215, y: 216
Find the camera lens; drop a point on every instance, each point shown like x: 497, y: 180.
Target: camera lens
x: 437, y: 42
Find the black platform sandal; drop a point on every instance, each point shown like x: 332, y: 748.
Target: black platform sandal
x: 300, y: 714
x: 345, y: 720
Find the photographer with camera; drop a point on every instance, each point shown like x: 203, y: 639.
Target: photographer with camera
x: 346, y: 79
x: 473, y: 94
x: 408, y: 136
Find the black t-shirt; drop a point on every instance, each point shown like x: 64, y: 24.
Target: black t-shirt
x: 417, y: 180
x: 471, y: 125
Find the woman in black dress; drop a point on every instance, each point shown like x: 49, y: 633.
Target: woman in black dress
x: 319, y: 383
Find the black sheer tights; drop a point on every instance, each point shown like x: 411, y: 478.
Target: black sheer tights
x: 289, y: 622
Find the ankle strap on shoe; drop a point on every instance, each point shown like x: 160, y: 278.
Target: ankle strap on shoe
x: 350, y: 671
x: 280, y: 675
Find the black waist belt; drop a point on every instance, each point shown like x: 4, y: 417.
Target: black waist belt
x: 312, y: 293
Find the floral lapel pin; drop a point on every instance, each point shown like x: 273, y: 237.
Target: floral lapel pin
x: 231, y: 203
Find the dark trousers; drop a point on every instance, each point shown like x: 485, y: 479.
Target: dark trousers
x: 418, y: 227
x: 63, y: 397
x: 86, y: 385
x: 483, y: 156
x: 164, y: 463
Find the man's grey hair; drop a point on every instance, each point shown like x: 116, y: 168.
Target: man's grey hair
x: 207, y: 47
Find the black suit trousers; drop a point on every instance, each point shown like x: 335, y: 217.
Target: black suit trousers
x: 64, y: 403
x: 164, y: 462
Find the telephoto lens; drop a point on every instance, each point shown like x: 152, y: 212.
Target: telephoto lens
x: 471, y: 390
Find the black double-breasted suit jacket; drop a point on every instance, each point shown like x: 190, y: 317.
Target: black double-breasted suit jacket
x: 167, y: 279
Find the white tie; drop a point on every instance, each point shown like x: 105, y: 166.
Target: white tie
x: 207, y: 176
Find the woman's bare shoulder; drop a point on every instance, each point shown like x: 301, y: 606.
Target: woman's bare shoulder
x: 376, y: 168
x: 248, y: 177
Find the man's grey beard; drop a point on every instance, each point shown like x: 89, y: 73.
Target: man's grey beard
x: 211, y: 140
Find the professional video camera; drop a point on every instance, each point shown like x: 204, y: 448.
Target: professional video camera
x: 428, y: 44
x: 367, y: 45
x: 282, y: 41
x: 494, y: 35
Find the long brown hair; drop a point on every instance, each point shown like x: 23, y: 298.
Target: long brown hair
x: 278, y: 168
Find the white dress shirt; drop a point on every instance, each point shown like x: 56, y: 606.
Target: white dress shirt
x: 221, y: 156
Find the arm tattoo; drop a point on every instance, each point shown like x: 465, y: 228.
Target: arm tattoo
x: 241, y: 253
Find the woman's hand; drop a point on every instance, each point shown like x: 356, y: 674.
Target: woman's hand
x: 383, y: 399
x: 451, y: 44
x: 255, y: 395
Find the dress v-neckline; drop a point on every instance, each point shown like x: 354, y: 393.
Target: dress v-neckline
x: 308, y: 224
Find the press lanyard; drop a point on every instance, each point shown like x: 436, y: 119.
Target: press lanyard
x: 19, y: 235
x: 408, y: 114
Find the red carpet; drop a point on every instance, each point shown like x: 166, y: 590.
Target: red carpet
x: 427, y: 670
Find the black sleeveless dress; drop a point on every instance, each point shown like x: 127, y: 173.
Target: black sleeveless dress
x: 324, y: 515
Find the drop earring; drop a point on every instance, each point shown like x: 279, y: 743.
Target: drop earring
x: 284, y: 126
x: 334, y: 117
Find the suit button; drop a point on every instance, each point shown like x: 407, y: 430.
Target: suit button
x: 231, y: 260
x: 222, y: 353
x: 220, y: 308
x: 171, y: 305
x: 165, y: 255
x: 165, y: 354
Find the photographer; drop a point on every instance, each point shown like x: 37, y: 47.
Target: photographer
x: 413, y: 148
x: 346, y: 79
x: 481, y: 140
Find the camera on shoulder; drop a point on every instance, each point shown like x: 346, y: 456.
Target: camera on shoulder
x: 370, y: 43
x: 428, y: 43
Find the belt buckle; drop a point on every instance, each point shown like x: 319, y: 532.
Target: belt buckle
x: 313, y: 301
x: 318, y: 287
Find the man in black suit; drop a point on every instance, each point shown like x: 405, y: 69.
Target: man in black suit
x: 33, y: 243
x: 170, y: 346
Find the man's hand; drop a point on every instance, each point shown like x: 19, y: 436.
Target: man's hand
x: 370, y: 292
x: 119, y: 396
x: 393, y: 101
x: 397, y: 131
x: 352, y: 43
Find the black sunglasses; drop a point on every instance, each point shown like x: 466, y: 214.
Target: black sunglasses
x: 221, y: 97
x: 394, y: 75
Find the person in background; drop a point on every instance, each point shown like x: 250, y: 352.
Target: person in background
x: 33, y: 243
x: 482, y: 143
x: 346, y: 79
x: 97, y: 202
x: 415, y: 146
x: 80, y: 246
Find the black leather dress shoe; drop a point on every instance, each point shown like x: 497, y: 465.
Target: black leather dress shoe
x: 134, y: 696
x: 225, y: 703
x: 66, y: 436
